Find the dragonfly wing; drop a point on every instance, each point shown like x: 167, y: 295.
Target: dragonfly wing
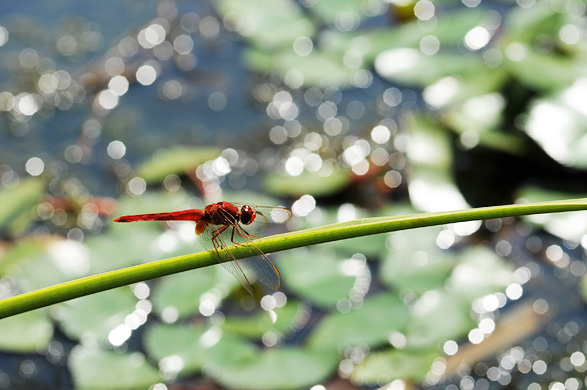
x: 256, y: 267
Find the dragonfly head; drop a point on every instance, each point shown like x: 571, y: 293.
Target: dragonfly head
x: 247, y: 215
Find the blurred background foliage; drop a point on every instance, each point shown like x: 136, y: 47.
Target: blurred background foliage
x: 338, y: 109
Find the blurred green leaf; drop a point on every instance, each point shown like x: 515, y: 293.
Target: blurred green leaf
x: 318, y: 274
x: 306, y: 183
x: 19, y: 251
x: 480, y: 271
x: 415, y: 262
x: 26, y: 333
x: 16, y: 212
x: 410, y: 67
x: 545, y: 72
x: 181, y: 292
x: 93, y: 368
x: 266, y: 24
x: 371, y: 324
x: 386, y: 366
x: 319, y: 68
x: 96, y: 315
x: 438, y: 316
x: 569, y: 226
x: 182, y: 345
x: 333, y: 11
x: 281, y: 321
x: 176, y: 161
x: 281, y: 368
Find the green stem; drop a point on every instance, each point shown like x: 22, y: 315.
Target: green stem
x: 340, y: 231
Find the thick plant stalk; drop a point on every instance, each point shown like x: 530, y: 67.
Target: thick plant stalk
x: 340, y: 231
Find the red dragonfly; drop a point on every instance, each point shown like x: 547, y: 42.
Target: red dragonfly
x: 224, y: 224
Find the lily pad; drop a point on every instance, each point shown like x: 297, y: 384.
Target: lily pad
x: 177, y: 161
x: 545, y: 72
x: 372, y: 324
x: 179, y: 349
x: 254, y: 19
x: 568, y: 115
x: 16, y: 212
x: 569, y: 226
x: 282, y: 368
x: 414, y: 261
x: 28, y: 332
x: 306, y: 183
x: 320, y: 275
x: 480, y: 271
x: 384, y: 367
x: 94, y: 368
x: 95, y: 316
x: 281, y: 320
x: 182, y: 291
x: 438, y: 316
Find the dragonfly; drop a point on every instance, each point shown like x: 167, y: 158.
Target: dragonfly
x: 223, y: 224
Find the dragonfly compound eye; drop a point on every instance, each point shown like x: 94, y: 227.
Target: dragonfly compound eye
x: 247, y: 215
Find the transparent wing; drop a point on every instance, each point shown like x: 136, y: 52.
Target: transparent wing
x: 265, y: 216
x: 246, y: 271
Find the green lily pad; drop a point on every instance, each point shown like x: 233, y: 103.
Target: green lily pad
x: 28, y: 332
x: 414, y: 261
x: 254, y: 19
x: 176, y: 161
x: 23, y: 249
x: 319, y: 274
x: 277, y: 369
x: 384, y: 367
x: 480, y: 271
x: 545, y: 72
x: 281, y: 321
x: 436, y: 317
x: 306, y: 183
x: 61, y: 261
x: 569, y: 226
x: 95, y: 316
x: 319, y: 68
x: 566, y: 112
x: 126, y: 247
x: 182, y: 345
x: 330, y: 11
x: 410, y: 67
x: 17, y: 203
x: 432, y: 185
x: 182, y: 291
x: 372, y: 324
x: 93, y: 368
x: 450, y: 29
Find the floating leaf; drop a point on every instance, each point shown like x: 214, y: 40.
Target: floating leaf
x: 96, y: 315
x: 569, y: 226
x: 436, y: 317
x: 318, y: 274
x: 479, y: 272
x: 93, y: 368
x: 17, y: 203
x: 306, y: 183
x: 176, y: 161
x: 28, y: 332
x: 254, y: 19
x: 181, y: 292
x: 372, y: 324
x: 384, y: 367
x: 281, y: 321
x: 545, y: 71
x: 278, y: 368
x: 414, y: 261
x: 178, y: 349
